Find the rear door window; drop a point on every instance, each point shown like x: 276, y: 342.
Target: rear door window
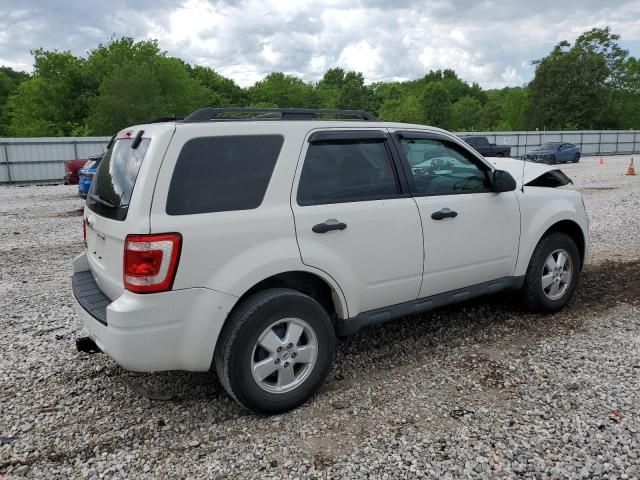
x: 220, y: 174
x: 112, y: 187
x: 347, y: 171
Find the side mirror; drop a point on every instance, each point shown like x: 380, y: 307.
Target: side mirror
x: 502, y: 182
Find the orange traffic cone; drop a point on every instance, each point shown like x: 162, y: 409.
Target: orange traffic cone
x: 601, y: 160
x: 631, y: 170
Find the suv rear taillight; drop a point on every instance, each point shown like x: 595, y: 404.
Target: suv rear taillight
x: 151, y: 261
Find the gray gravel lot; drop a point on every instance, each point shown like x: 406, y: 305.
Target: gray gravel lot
x: 479, y: 390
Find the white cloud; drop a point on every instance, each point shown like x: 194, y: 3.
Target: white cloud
x: 487, y: 41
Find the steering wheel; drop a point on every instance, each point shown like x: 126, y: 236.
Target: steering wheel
x: 468, y: 183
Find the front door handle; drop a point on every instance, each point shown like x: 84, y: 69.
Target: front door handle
x: 327, y: 227
x: 444, y: 213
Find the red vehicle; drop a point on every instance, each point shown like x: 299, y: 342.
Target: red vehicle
x: 71, y: 168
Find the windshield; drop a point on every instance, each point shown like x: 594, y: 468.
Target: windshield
x: 111, y: 189
x: 91, y: 163
x: 549, y: 146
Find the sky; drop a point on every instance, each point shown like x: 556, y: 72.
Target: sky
x: 491, y: 42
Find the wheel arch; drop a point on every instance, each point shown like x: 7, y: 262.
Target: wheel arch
x: 318, y: 287
x: 573, y: 230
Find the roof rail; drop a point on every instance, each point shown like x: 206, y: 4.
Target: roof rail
x: 240, y: 113
x: 165, y: 119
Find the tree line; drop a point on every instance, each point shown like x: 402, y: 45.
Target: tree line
x: 592, y: 83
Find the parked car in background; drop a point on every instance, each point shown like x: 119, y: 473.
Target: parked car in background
x: 554, y: 152
x: 86, y: 174
x: 482, y: 146
x: 71, y: 168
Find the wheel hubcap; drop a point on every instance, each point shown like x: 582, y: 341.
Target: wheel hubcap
x: 556, y: 274
x: 284, y: 355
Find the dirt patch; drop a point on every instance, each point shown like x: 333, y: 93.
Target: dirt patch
x: 595, y: 189
x: 73, y: 213
x: 606, y: 284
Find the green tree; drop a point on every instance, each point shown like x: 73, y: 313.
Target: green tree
x: 465, y: 114
x: 569, y: 87
x: 329, y: 87
x: 129, y: 94
x: 9, y: 82
x: 354, y: 94
x: 600, y: 41
x: 223, y: 92
x: 436, y: 105
x: 407, y: 109
x: 285, y: 91
x: 51, y: 102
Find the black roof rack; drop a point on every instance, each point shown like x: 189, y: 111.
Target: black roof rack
x: 239, y: 113
x: 165, y: 119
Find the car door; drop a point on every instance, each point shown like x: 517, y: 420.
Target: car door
x: 561, y: 153
x: 471, y: 234
x: 569, y: 151
x: 354, y: 218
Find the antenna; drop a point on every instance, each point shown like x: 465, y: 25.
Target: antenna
x: 523, y: 157
x: 523, y: 163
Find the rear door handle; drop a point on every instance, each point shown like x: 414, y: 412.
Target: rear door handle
x: 327, y: 227
x: 444, y: 213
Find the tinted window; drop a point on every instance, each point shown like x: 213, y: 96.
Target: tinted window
x: 549, y: 146
x: 346, y: 171
x: 218, y: 174
x: 440, y: 167
x: 112, y: 187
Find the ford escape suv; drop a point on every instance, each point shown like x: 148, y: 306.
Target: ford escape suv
x: 245, y: 240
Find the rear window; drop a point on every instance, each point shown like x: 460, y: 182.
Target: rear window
x: 219, y: 174
x: 112, y: 187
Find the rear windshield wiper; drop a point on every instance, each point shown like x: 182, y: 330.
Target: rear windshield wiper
x: 101, y: 201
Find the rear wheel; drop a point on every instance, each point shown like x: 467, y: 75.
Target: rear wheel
x: 576, y: 158
x: 275, y: 350
x: 553, y: 272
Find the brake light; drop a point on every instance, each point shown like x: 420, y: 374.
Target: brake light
x: 151, y: 262
x: 84, y: 231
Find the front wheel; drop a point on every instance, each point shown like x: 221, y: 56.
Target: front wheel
x: 552, y: 275
x: 576, y: 158
x: 275, y: 350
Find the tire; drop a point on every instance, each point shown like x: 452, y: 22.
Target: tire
x: 499, y: 154
x: 552, y: 160
x: 576, y: 158
x: 238, y: 350
x: 546, y: 300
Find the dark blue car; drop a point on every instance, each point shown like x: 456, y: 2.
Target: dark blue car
x: 554, y: 152
x: 86, y: 174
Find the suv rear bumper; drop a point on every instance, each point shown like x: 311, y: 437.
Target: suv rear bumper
x: 175, y: 330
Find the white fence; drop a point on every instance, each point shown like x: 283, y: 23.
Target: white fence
x: 41, y: 160
x: 591, y: 142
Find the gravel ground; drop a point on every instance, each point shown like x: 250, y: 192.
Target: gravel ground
x: 480, y: 390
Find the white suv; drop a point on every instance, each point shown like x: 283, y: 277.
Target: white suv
x: 253, y: 237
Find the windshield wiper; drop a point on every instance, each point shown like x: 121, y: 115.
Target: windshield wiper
x: 101, y: 201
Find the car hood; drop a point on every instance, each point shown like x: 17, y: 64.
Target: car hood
x: 515, y: 168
